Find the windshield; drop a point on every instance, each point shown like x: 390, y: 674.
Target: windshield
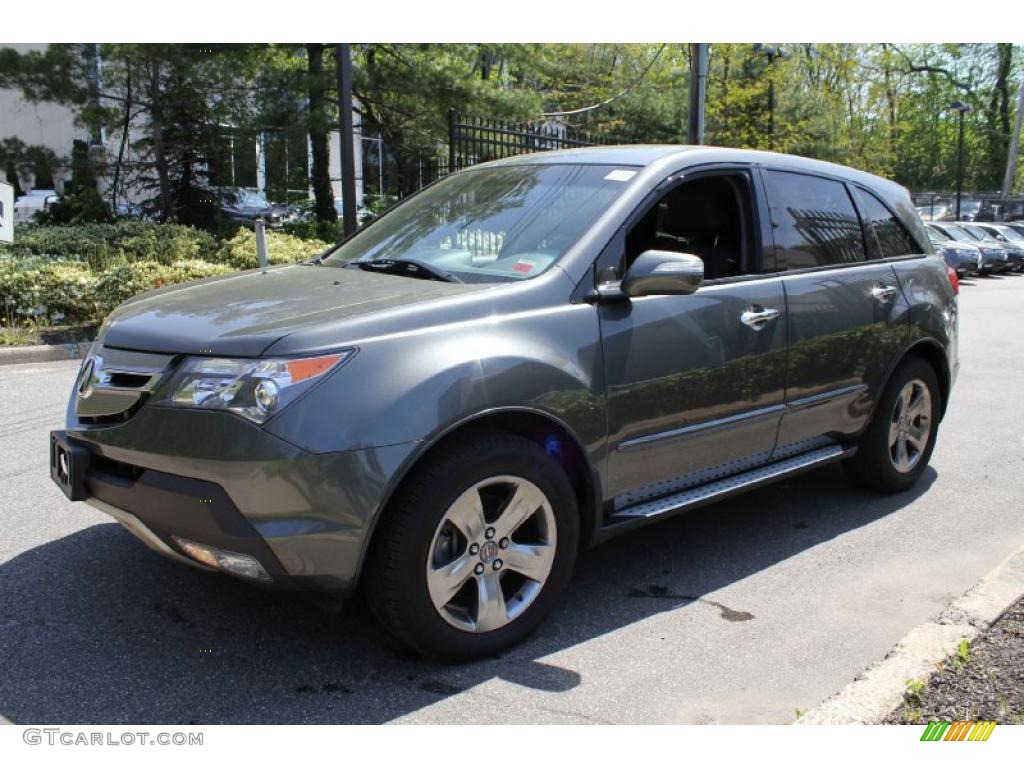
x: 249, y: 199
x: 1011, y: 234
x: 495, y: 224
x: 960, y: 234
x: 978, y: 232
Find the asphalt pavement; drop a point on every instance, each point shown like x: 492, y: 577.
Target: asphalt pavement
x: 749, y: 611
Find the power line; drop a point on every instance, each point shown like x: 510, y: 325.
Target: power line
x: 607, y: 101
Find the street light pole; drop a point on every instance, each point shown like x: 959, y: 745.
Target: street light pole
x: 771, y: 52
x: 698, y: 92
x: 963, y: 109
x: 348, y: 163
x: 1011, y: 158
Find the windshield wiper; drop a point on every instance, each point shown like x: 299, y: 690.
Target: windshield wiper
x: 409, y: 267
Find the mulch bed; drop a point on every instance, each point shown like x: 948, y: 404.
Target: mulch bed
x: 60, y: 334
x: 986, y: 683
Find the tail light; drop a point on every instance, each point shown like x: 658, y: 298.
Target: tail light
x: 953, y: 280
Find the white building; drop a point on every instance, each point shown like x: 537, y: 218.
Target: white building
x: 46, y: 124
x: 53, y: 126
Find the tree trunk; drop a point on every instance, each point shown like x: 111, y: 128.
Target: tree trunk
x: 115, y: 186
x: 166, y: 204
x: 321, y: 174
x: 999, y: 115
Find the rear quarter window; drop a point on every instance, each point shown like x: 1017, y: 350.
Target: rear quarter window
x: 886, y: 235
x: 814, y: 221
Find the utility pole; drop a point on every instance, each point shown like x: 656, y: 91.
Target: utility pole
x: 348, y: 160
x: 1011, y: 159
x: 773, y: 53
x: 963, y: 109
x: 698, y: 93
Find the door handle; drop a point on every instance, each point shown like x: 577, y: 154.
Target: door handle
x: 883, y: 292
x: 758, y: 318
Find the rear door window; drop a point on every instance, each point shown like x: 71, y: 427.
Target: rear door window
x: 814, y: 221
x: 887, y: 237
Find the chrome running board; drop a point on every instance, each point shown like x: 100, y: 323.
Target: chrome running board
x: 720, y: 489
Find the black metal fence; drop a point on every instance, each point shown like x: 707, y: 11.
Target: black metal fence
x: 982, y: 206
x: 473, y: 140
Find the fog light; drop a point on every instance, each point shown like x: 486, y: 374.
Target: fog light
x: 197, y: 552
x: 235, y: 563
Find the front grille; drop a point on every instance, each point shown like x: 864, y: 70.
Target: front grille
x: 129, y: 380
x: 114, y: 384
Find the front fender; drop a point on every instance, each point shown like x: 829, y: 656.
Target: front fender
x: 415, y: 386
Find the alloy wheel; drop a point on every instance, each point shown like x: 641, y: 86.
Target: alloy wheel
x: 491, y: 554
x: 910, y: 425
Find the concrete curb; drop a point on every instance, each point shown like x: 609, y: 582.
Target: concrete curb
x: 876, y: 693
x: 43, y: 353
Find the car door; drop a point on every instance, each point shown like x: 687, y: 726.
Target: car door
x: 695, y: 384
x: 846, y: 315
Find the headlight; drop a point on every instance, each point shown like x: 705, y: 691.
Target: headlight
x: 255, y: 389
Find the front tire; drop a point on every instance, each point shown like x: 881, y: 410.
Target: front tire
x: 475, y: 550
x: 894, y: 451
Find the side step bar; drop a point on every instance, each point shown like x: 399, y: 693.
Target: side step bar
x: 729, y: 486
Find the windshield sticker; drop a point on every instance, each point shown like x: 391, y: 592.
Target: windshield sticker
x: 523, y: 266
x: 620, y: 175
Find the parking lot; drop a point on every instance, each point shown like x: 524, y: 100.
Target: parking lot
x: 745, y: 612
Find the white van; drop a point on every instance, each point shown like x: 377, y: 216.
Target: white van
x: 27, y: 206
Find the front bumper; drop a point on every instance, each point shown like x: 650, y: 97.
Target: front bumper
x: 215, y: 479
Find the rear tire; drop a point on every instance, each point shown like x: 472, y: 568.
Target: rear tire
x: 894, y: 451
x: 475, y: 550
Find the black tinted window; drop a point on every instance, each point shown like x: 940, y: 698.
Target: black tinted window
x: 815, y: 223
x: 891, y: 238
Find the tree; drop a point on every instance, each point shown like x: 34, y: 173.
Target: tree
x: 175, y: 99
x: 319, y: 125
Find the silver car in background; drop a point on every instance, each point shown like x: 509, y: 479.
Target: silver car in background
x: 1010, y: 239
x: 966, y: 259
x: 995, y: 258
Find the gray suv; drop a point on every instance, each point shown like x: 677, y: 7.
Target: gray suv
x: 525, y: 358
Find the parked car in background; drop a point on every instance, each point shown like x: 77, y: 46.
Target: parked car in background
x: 1013, y: 211
x: 244, y: 206
x: 1011, y: 239
x: 964, y: 258
x: 982, y: 236
x: 995, y: 257
x: 528, y: 357
x: 935, y: 212
x: 975, y: 210
x: 302, y: 212
x: 27, y: 206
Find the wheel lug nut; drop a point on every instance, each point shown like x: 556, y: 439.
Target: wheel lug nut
x: 489, y: 533
x: 474, y: 548
x: 503, y: 543
x: 479, y: 569
x: 497, y: 565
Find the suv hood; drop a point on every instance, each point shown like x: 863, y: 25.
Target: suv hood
x: 243, y: 314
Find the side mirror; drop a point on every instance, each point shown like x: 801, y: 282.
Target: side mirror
x: 663, y: 273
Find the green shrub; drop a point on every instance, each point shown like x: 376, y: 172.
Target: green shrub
x: 78, y: 274
x: 60, y: 292
x: 47, y: 291
x: 127, y: 280
x: 105, y: 245
x: 82, y: 205
x: 240, y: 250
